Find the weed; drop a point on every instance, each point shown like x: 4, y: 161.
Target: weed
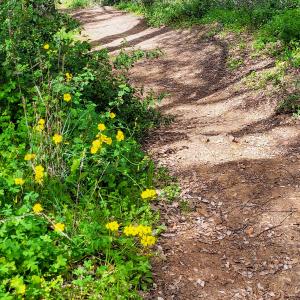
x: 234, y: 63
x: 185, y: 206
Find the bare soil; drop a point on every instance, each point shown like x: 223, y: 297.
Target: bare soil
x: 236, y: 160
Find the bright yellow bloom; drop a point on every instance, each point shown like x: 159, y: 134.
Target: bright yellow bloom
x: 112, y: 115
x: 19, y: 181
x: 41, y: 125
x: 144, y: 230
x: 39, y: 174
x: 67, y: 97
x: 37, y: 208
x: 96, y: 145
x: 29, y: 156
x: 149, y: 194
x: 130, y: 230
x: 69, y: 76
x: 106, y: 139
x: 46, y: 46
x: 140, y: 230
x: 101, y: 127
x: 59, y: 227
x: 148, y: 240
x: 57, y: 138
x: 112, y: 226
x: 120, y: 136
x: 94, y: 150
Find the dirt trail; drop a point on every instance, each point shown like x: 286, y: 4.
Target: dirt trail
x: 236, y: 160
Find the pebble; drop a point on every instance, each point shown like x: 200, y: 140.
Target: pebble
x: 200, y: 282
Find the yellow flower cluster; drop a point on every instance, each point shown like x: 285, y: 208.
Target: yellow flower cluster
x: 57, y: 138
x: 105, y: 139
x: 112, y: 115
x: 19, y: 181
x: 148, y: 240
x: 59, y: 227
x: 96, y: 145
x: 134, y: 230
x: 37, y: 208
x: 149, y: 194
x: 101, y: 138
x: 144, y: 232
x: 29, y: 156
x: 46, y: 46
x: 41, y: 125
x: 67, y: 97
x: 113, y: 226
x: 120, y: 136
x: 39, y: 174
x: 101, y: 127
x: 69, y: 76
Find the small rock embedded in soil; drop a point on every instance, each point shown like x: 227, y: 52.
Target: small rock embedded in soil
x: 200, y: 282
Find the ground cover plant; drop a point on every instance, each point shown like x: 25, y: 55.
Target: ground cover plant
x: 75, y: 187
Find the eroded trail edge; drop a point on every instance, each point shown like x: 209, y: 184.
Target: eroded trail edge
x: 236, y: 160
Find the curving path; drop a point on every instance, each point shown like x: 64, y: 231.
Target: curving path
x: 237, y: 163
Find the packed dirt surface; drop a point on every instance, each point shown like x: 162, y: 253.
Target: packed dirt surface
x: 236, y: 160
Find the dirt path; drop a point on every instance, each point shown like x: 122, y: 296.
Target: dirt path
x: 236, y: 161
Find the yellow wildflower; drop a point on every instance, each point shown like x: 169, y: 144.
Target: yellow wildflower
x: 69, y: 76
x: 59, y: 227
x: 37, y: 208
x: 106, y: 139
x: 120, y: 136
x: 46, y: 46
x: 19, y: 181
x: 57, y: 138
x: 41, y: 125
x: 29, y: 156
x: 39, y: 174
x: 140, y: 230
x: 96, y: 145
x: 101, y: 127
x: 112, y: 226
x: 112, y: 115
x: 148, y: 240
x: 144, y: 230
x: 94, y: 150
x: 67, y: 97
x: 149, y: 194
x: 130, y: 230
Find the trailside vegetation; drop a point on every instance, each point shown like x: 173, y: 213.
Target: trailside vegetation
x: 75, y: 186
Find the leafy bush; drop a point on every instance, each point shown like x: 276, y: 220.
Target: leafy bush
x: 75, y: 218
x: 285, y: 27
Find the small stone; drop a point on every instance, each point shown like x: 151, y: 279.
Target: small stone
x: 160, y: 298
x: 200, y: 282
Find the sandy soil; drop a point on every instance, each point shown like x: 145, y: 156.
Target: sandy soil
x: 237, y: 163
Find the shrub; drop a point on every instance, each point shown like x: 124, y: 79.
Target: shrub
x: 285, y: 26
x: 71, y: 170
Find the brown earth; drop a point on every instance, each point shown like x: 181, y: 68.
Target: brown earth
x: 236, y: 160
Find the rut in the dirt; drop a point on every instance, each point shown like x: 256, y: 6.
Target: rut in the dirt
x: 237, y: 163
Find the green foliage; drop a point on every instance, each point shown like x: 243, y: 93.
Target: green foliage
x: 71, y: 170
x: 290, y: 105
x: 234, y: 63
